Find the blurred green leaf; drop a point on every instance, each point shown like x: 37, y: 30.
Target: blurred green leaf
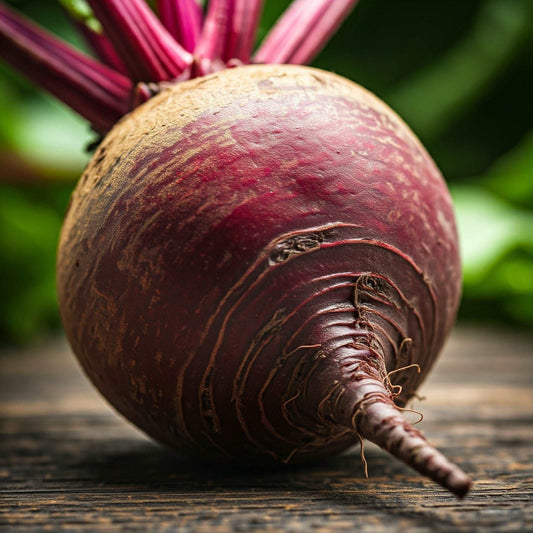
x: 436, y: 96
x: 488, y: 228
x: 28, y: 235
x: 511, y: 177
x: 49, y: 135
x: 497, y: 238
x: 81, y: 11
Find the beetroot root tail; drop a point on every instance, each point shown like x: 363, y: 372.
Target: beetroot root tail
x: 378, y: 420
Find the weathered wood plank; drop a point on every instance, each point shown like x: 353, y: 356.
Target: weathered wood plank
x: 67, y: 462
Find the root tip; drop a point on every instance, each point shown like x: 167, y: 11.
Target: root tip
x: 459, y: 483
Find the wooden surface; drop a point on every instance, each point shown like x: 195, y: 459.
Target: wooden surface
x: 67, y: 461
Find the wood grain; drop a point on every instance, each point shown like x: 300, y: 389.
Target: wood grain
x: 68, y: 462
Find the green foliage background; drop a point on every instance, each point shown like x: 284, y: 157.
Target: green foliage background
x: 458, y: 71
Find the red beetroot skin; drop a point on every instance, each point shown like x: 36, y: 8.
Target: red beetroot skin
x: 249, y: 254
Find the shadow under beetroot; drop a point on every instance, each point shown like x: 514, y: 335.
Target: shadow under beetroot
x: 149, y: 472
x: 149, y: 467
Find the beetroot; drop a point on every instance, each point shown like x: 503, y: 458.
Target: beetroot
x: 261, y: 263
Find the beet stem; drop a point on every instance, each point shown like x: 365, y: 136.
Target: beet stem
x: 302, y: 31
x: 243, y: 29
x: 279, y: 39
x: 211, y: 48
x: 372, y: 413
x: 102, y: 47
x: 183, y: 19
x: 148, y: 50
x: 91, y: 30
x: 95, y: 91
